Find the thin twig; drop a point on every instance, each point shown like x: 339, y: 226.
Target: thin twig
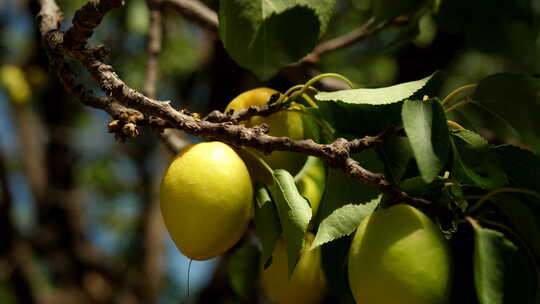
x: 195, y: 11
x: 366, y: 30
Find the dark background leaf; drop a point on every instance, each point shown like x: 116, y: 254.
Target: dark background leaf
x: 260, y: 35
x: 502, y: 273
x: 267, y: 225
x: 515, y: 98
x: 521, y: 166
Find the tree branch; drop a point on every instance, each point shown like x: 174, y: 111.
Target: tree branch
x: 86, y: 19
x: 195, y: 11
x: 366, y: 30
x: 337, y: 154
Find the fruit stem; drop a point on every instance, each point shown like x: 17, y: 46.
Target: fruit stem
x: 310, y: 101
x: 455, y: 125
x: 486, y: 197
x: 319, y: 77
x: 458, y: 104
x: 458, y: 91
x: 298, y: 87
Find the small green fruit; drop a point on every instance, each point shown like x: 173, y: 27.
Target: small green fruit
x: 206, y: 199
x: 307, y: 283
x: 399, y: 256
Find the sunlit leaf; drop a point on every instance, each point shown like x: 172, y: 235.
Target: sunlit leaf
x: 294, y: 214
x: 343, y: 221
x: 426, y: 128
x: 383, y: 96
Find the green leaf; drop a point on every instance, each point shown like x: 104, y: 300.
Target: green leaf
x: 521, y: 166
x: 397, y: 155
x: 426, y: 128
x: 267, y: 226
x: 474, y: 140
x: 342, y: 190
x: 501, y: 271
x: 265, y: 35
x: 418, y: 187
x: 243, y: 269
x: 524, y: 217
x: 493, y: 26
x: 345, y: 117
x: 474, y: 163
x: 334, y: 264
x: 343, y: 221
x: 516, y: 99
x: 383, y: 96
x: 294, y: 214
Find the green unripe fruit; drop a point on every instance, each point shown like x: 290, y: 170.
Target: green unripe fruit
x: 311, y: 182
x: 399, y: 256
x: 206, y: 199
x: 307, y: 283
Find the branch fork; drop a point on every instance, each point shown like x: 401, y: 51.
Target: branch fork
x: 224, y: 127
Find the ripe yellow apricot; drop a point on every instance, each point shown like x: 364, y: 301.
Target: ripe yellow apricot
x: 283, y: 123
x: 399, y: 256
x: 307, y: 282
x: 206, y: 199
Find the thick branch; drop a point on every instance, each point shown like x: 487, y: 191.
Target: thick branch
x: 86, y: 19
x: 336, y: 154
x: 195, y: 11
x: 49, y: 17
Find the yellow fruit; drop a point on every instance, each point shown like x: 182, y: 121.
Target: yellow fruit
x: 206, y: 199
x: 399, y: 256
x: 283, y: 123
x: 14, y: 79
x: 307, y: 282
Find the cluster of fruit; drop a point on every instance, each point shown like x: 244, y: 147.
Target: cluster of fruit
x: 398, y: 255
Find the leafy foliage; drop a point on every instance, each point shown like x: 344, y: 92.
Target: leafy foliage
x: 259, y: 34
x: 500, y: 269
